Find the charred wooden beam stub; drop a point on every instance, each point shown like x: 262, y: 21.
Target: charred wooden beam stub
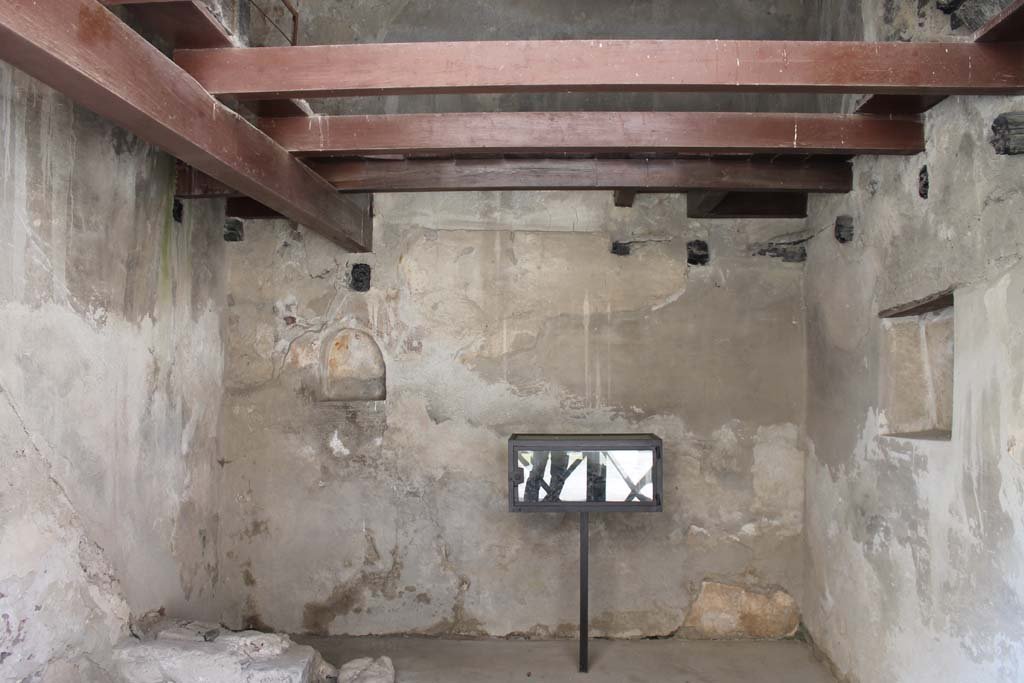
x: 234, y: 230
x: 789, y: 250
x: 933, y: 302
x: 1008, y: 133
x: 844, y: 229
x: 697, y: 253
x: 360, y: 278
x: 621, y: 248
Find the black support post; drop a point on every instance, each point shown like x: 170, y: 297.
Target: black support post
x: 584, y: 590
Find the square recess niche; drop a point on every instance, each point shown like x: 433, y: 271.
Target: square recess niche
x: 916, y: 392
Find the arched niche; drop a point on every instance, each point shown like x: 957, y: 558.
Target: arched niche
x: 351, y: 367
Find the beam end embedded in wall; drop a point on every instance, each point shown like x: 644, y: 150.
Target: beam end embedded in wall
x: 933, y: 302
x: 1008, y: 133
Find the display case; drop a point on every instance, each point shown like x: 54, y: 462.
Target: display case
x: 584, y: 473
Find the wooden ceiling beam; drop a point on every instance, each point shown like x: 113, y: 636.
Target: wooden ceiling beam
x: 1005, y: 27
x: 81, y: 49
x: 649, y: 175
x: 189, y: 24
x: 608, y: 65
x: 595, y: 133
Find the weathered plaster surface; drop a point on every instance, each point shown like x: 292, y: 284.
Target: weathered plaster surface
x: 111, y: 363
x: 915, y: 546
x: 391, y: 516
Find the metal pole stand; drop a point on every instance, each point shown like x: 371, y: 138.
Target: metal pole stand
x: 584, y: 590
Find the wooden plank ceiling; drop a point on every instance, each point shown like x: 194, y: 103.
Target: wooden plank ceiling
x: 734, y: 163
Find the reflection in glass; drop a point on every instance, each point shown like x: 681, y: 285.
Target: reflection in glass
x: 617, y: 476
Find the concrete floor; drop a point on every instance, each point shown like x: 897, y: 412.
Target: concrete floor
x: 424, y: 660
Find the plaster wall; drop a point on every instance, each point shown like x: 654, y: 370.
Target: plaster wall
x: 915, y: 546
x: 111, y: 363
x: 499, y: 313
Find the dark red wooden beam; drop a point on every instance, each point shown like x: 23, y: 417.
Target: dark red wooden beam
x: 608, y: 65
x: 81, y: 49
x: 595, y: 132
x: 1005, y: 27
x: 652, y: 175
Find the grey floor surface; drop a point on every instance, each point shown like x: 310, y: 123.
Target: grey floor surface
x: 425, y: 660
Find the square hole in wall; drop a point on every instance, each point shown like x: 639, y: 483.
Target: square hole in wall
x: 916, y: 392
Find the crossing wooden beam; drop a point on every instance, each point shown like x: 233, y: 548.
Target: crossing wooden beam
x: 650, y: 175
x: 609, y: 65
x: 81, y: 49
x: 595, y: 132
x: 1005, y: 27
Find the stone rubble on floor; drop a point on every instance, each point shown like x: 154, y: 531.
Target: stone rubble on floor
x: 367, y: 670
x: 181, y: 651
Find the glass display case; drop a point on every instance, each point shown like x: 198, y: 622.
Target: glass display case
x: 584, y: 473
